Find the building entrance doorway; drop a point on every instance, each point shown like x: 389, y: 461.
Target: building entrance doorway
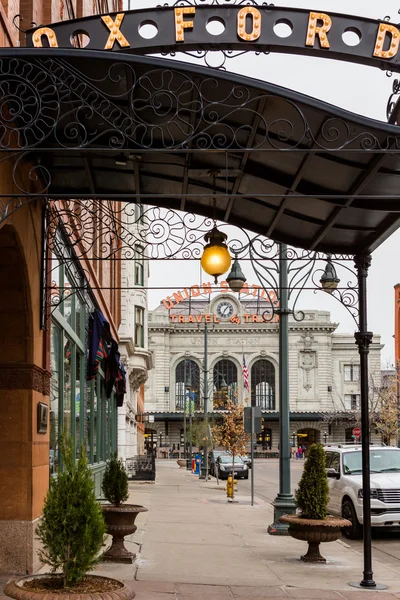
x: 306, y: 437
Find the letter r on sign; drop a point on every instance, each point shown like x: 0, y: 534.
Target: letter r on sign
x: 320, y: 30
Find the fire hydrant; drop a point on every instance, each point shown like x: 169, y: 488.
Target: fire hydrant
x: 229, y: 487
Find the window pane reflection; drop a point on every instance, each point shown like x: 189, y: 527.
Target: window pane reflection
x: 67, y: 385
x: 78, y: 382
x: 54, y: 395
x: 69, y: 300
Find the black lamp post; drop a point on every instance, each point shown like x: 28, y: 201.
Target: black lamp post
x: 325, y: 437
x: 189, y: 390
x: 279, y: 272
x: 364, y: 340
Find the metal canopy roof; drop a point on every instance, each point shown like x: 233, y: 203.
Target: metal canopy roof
x: 287, y: 166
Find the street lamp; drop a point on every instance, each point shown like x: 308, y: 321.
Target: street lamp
x: 329, y: 280
x: 325, y: 437
x: 236, y: 278
x: 284, y: 503
x: 294, y: 435
x: 188, y: 391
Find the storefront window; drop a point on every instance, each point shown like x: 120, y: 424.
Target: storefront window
x: 77, y: 407
x: 68, y: 350
x: 78, y: 397
x: 54, y: 395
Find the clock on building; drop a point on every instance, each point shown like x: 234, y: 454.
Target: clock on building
x: 225, y: 309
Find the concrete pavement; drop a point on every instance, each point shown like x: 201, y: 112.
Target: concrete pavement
x: 194, y: 544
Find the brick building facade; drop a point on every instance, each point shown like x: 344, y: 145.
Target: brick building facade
x: 32, y: 353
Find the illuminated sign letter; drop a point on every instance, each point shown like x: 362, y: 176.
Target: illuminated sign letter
x: 255, y: 15
x: 384, y: 29
x: 320, y: 30
x: 115, y: 34
x: 180, y: 24
x: 49, y: 33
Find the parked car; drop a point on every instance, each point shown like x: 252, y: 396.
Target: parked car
x: 247, y: 460
x: 212, y: 458
x: 224, y: 465
x: 344, y: 470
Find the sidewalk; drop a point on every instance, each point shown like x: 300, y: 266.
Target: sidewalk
x: 192, y: 544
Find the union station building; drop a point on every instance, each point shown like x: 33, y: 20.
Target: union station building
x: 323, y: 368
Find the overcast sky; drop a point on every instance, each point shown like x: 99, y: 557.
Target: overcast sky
x: 359, y: 89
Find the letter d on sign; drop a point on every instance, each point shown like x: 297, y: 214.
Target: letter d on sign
x: 392, y: 50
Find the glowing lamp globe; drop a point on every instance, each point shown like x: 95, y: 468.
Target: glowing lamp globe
x: 216, y: 259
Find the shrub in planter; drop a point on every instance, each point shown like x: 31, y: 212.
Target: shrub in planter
x: 120, y: 518
x: 313, y: 524
x: 71, y: 532
x: 115, y: 481
x: 312, y: 495
x: 72, y: 528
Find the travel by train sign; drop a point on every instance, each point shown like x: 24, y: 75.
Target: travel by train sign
x: 230, y: 27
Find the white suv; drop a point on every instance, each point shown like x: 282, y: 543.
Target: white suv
x: 344, y: 469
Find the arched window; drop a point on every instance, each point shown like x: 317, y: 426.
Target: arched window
x: 187, y: 385
x: 225, y: 381
x: 263, y: 385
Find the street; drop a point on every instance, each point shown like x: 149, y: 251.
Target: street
x: 385, y: 543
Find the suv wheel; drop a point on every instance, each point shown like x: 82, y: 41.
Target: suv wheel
x: 354, y: 531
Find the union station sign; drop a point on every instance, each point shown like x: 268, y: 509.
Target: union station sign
x: 224, y: 309
x: 211, y: 27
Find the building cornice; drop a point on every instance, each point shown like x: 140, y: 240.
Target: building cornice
x: 271, y: 329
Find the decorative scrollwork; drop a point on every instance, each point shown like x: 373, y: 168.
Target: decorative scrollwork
x: 393, y: 98
x: 20, y: 18
x: 216, y: 59
x: 49, y: 102
x: 126, y: 232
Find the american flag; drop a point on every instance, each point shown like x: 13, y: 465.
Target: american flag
x: 245, y: 374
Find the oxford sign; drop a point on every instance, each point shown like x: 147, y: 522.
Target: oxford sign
x: 240, y: 28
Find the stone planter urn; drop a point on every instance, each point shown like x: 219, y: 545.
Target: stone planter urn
x: 314, y: 532
x: 15, y: 589
x: 181, y: 462
x: 120, y: 521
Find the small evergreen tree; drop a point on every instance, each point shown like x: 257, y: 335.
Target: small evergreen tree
x: 72, y: 527
x: 313, y: 492
x: 115, y: 481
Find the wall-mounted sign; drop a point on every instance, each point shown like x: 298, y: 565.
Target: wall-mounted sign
x: 260, y: 28
x: 235, y: 319
x: 42, y: 417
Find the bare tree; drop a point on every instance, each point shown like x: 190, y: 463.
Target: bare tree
x: 230, y: 433
x: 383, y: 408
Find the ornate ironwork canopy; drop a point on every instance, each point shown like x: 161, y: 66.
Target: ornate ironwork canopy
x: 151, y: 131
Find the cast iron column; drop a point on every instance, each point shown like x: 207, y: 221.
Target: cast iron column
x: 363, y: 341
x: 190, y: 424
x: 184, y: 411
x: 204, y: 464
x: 284, y: 503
